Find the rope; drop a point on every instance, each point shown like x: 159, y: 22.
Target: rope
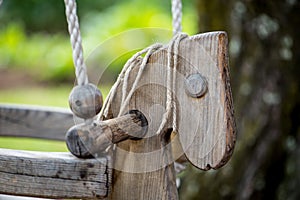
x: 173, y: 54
x: 1, y: 2
x: 126, y: 100
x: 172, y: 63
x: 75, y: 37
x: 176, y: 16
x: 125, y: 73
x: 173, y: 50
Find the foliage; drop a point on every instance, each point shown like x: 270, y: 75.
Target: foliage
x: 45, y: 16
x: 28, y: 42
x: 45, y: 58
x: 32, y: 144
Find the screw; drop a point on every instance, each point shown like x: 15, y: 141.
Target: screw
x: 195, y: 85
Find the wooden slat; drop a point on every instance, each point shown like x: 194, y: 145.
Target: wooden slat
x: 35, y: 122
x: 53, y: 175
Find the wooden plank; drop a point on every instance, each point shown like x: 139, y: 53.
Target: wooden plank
x: 53, y: 175
x: 35, y: 121
x: 206, y: 127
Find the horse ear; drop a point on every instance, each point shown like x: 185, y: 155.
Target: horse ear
x: 206, y: 121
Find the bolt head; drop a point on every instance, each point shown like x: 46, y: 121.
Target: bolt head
x: 195, y: 85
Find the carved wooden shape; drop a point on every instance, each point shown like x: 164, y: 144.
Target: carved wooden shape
x: 206, y: 124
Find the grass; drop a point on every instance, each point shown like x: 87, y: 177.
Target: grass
x: 44, y: 96
x: 32, y: 144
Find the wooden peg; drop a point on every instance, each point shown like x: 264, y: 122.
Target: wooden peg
x: 90, y: 140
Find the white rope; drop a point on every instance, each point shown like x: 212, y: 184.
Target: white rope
x: 76, y: 41
x: 127, y: 67
x: 173, y: 50
x: 124, y: 76
x: 173, y: 55
x: 75, y: 37
x: 176, y: 16
x: 126, y: 100
x: 1, y: 2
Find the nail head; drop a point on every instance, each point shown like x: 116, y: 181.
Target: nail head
x: 195, y: 85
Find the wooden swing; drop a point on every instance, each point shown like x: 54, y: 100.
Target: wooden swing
x: 170, y: 103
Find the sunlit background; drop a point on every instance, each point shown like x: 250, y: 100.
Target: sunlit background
x: 35, y: 54
x: 36, y: 67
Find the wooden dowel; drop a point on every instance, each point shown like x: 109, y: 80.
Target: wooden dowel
x: 86, y: 141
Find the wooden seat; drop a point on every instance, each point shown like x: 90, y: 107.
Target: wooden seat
x: 47, y: 174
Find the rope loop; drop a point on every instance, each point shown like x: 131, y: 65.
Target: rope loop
x: 172, y: 65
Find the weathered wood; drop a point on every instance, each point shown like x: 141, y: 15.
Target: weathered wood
x: 85, y: 101
x: 143, y: 169
x: 53, y: 175
x: 149, y: 165
x: 35, y: 121
x: 206, y: 127
x: 90, y: 140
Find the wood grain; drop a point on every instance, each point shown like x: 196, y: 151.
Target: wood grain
x: 143, y: 169
x: 53, y: 175
x: 211, y: 144
x: 35, y: 121
x: 206, y: 127
x: 91, y: 140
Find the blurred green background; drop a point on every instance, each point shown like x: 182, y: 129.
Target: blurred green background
x: 36, y: 68
x: 35, y: 53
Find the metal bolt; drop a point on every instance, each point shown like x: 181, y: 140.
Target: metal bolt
x: 195, y: 85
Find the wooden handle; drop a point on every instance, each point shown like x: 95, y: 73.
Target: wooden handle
x: 87, y: 141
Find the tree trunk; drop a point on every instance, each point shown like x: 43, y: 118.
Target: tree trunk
x: 264, y: 58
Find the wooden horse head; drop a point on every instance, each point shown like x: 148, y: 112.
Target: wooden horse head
x: 206, y: 126
x: 143, y: 158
